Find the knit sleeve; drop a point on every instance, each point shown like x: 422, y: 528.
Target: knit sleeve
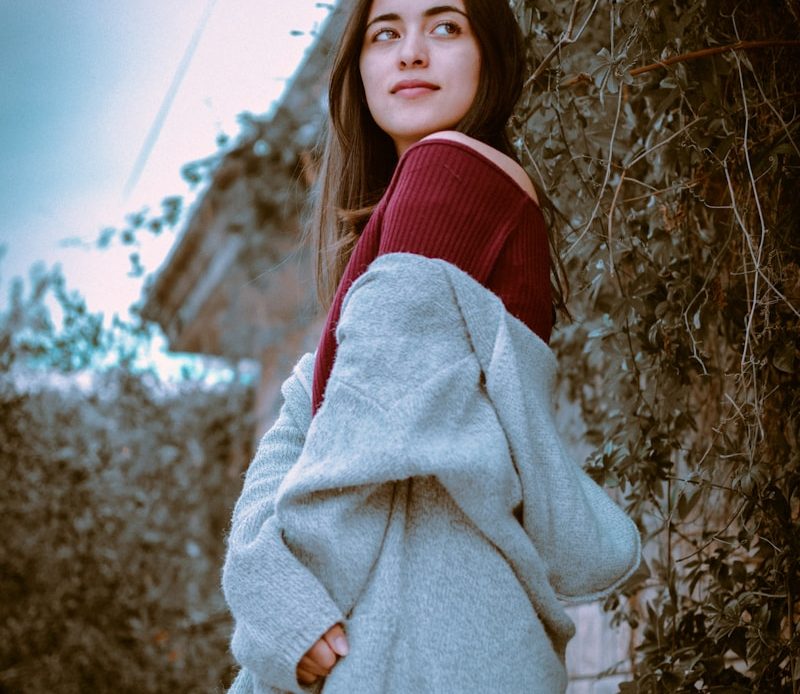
x: 404, y: 400
x: 431, y: 378
x: 279, y: 607
x: 334, y: 505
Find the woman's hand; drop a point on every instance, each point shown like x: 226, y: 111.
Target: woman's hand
x: 323, y: 655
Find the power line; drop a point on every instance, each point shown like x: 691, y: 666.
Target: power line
x: 166, y: 104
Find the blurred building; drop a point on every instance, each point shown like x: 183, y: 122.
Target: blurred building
x: 239, y: 285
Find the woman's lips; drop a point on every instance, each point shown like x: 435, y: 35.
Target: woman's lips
x: 410, y: 89
x: 413, y: 92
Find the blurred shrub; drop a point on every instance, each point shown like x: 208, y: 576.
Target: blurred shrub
x: 115, y: 498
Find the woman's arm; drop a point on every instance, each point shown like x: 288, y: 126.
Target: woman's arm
x: 280, y: 609
x: 431, y: 378
x: 394, y: 347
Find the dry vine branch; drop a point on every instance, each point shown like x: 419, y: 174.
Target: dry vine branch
x: 743, y: 227
x: 716, y: 50
x: 757, y: 258
x: 584, y: 78
x: 566, y: 38
x: 611, y: 211
x: 663, y: 142
x: 609, y: 164
x: 775, y: 111
x: 716, y: 537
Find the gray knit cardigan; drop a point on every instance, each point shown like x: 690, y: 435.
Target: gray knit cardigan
x: 395, y: 509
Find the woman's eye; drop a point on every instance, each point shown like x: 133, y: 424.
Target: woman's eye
x: 384, y: 35
x: 447, y: 29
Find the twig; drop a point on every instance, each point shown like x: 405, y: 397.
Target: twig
x: 619, y: 188
x: 588, y: 224
x: 758, y: 258
x: 735, y: 406
x: 654, y: 191
x: 715, y: 537
x: 716, y: 50
x: 532, y: 160
x: 776, y: 596
x: 777, y: 114
x: 695, y: 354
x: 611, y: 220
x: 703, y: 290
x: 652, y: 149
x: 741, y: 224
x: 704, y: 483
x: 566, y: 38
x: 636, y: 366
x: 573, y: 157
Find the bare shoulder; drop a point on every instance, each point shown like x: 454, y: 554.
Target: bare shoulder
x: 505, y: 162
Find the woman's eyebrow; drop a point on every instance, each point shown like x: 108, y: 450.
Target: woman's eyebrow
x: 393, y: 16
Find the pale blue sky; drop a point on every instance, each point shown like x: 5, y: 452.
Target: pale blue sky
x: 81, y: 82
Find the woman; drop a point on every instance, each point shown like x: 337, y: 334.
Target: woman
x: 410, y: 521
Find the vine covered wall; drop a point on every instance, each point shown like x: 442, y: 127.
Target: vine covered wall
x: 665, y: 133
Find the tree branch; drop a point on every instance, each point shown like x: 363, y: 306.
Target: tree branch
x: 705, y: 52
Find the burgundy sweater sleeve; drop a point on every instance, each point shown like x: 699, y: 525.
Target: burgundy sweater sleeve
x: 448, y: 201
x: 521, y: 275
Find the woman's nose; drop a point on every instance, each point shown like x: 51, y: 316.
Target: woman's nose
x: 413, y: 52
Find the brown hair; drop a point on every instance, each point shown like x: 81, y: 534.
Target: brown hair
x: 358, y: 158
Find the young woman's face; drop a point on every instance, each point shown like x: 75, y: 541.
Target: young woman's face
x: 420, y: 64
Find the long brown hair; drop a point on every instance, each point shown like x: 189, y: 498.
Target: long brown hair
x: 358, y: 158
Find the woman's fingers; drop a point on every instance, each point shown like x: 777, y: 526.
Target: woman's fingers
x: 336, y: 639
x: 305, y: 677
x: 314, y: 668
x: 322, y: 654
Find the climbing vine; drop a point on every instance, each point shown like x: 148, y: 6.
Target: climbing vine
x: 666, y: 134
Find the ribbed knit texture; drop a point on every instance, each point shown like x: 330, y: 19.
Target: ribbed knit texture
x: 448, y: 201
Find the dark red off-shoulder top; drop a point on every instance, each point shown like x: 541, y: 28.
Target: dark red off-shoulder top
x: 448, y: 201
